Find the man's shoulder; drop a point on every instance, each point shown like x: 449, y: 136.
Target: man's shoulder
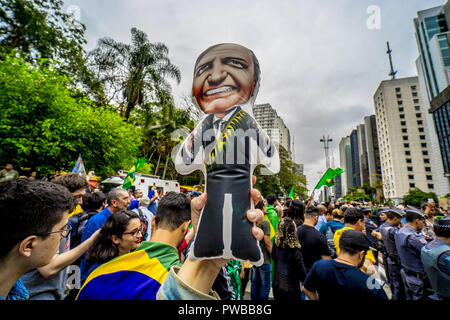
x: 322, y: 265
x: 305, y: 229
x: 340, y: 231
x: 264, y: 225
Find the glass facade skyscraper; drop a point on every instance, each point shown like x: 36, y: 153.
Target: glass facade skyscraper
x: 433, y: 67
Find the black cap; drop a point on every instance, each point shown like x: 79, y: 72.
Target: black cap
x: 354, y: 239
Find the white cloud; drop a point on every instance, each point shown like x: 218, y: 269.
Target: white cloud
x: 320, y: 63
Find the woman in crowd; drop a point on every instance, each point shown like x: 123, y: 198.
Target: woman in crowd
x: 289, y: 269
x: 296, y: 212
x: 121, y: 234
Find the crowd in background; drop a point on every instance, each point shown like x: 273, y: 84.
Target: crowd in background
x: 311, y: 250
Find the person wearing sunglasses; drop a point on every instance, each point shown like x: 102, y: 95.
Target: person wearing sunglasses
x: 121, y: 234
x: 34, y: 219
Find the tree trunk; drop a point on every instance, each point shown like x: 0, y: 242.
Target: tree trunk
x: 165, y: 167
x: 149, y: 160
x: 128, y: 111
x: 157, y: 165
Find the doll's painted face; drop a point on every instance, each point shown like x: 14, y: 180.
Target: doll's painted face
x: 224, y: 76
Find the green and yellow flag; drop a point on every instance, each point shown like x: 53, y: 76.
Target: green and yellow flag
x: 129, y: 179
x: 327, y: 178
x: 291, y: 194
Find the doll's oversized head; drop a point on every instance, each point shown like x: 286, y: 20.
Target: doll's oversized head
x: 225, y: 75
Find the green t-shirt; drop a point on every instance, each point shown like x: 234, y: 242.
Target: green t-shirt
x: 265, y: 227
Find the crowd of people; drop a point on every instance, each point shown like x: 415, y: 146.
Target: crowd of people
x: 127, y: 244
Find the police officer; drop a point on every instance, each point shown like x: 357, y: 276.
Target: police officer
x: 370, y: 227
x: 436, y: 258
x: 409, y: 242
x: 388, y: 231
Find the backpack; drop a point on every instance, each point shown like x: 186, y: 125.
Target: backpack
x: 144, y: 222
x: 77, y: 222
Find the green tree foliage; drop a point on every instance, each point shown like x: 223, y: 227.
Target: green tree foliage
x: 415, y: 197
x: 40, y: 29
x: 281, y: 183
x: 42, y: 126
x: 355, y: 194
x: 134, y: 74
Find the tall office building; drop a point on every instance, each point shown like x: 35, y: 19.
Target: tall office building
x: 404, y: 142
x: 345, y: 158
x: 362, y: 152
x: 338, y: 187
x: 273, y: 125
x: 373, y: 151
x: 433, y: 68
x: 354, y: 147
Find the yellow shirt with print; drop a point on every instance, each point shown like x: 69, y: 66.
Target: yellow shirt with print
x: 337, y: 236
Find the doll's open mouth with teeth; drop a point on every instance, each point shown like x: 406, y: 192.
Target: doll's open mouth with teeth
x: 224, y: 89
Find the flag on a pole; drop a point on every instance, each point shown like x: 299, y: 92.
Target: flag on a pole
x: 291, y: 194
x: 129, y: 179
x: 327, y: 178
x: 79, y: 167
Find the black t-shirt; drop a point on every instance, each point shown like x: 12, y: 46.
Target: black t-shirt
x: 336, y: 281
x: 314, y: 245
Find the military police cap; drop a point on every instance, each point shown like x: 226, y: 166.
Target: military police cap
x: 441, y: 226
x: 410, y: 209
x: 397, y: 211
x: 365, y: 209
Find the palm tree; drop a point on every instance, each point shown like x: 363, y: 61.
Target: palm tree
x: 137, y: 70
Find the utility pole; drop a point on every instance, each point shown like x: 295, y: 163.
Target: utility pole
x: 326, y: 143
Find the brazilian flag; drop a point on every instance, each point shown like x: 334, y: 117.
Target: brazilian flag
x: 291, y: 194
x: 129, y: 179
x: 327, y: 178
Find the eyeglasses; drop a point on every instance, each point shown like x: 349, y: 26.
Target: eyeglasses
x: 136, y: 233
x: 64, y: 231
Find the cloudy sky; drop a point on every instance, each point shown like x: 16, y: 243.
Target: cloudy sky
x: 321, y: 60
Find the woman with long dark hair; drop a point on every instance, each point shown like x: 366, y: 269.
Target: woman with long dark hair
x: 120, y: 234
x: 296, y: 212
x: 289, y: 269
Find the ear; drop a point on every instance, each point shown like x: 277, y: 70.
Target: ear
x: 362, y: 254
x: 115, y: 239
x: 27, y: 245
x: 113, y: 203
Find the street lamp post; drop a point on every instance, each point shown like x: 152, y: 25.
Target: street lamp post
x: 326, y: 142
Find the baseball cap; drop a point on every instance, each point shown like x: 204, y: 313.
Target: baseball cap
x: 354, y: 239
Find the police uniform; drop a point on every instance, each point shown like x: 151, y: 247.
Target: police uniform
x: 436, y: 259
x: 393, y: 265
x: 370, y: 226
x: 409, y: 243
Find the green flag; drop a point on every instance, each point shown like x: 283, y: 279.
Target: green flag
x: 291, y: 194
x: 129, y: 179
x: 327, y: 178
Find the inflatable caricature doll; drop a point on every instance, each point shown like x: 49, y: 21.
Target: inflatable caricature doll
x: 226, y: 146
